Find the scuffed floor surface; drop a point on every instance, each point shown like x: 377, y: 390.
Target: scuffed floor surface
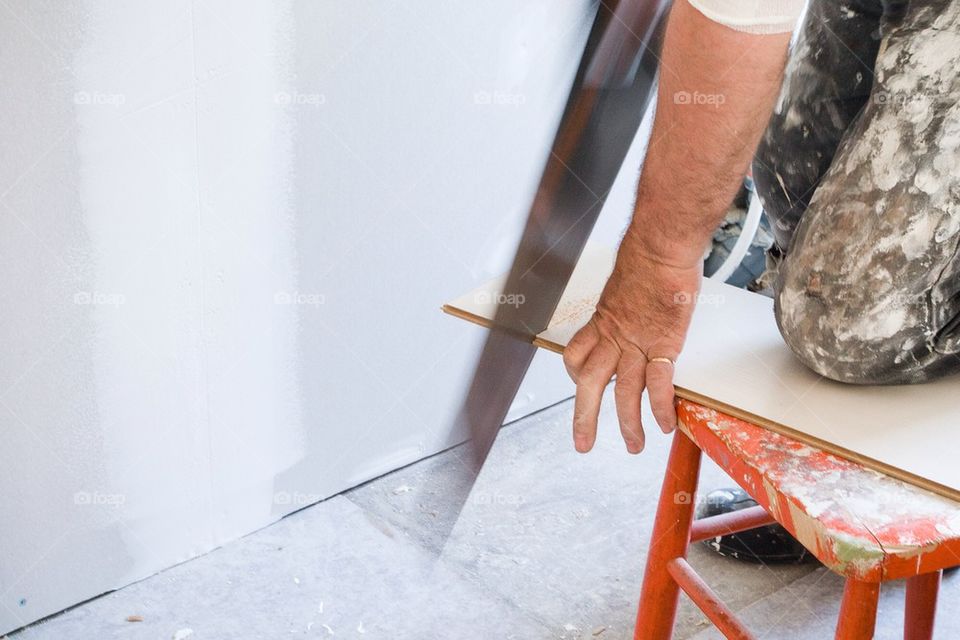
x: 550, y: 546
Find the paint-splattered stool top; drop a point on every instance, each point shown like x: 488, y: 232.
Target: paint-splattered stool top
x: 860, y: 523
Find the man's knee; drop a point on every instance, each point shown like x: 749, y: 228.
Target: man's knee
x: 849, y: 333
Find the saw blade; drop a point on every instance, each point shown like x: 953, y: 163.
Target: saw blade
x: 610, y: 94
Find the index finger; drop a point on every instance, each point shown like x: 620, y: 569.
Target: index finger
x: 597, y: 371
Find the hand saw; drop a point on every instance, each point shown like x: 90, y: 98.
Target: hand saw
x: 610, y: 94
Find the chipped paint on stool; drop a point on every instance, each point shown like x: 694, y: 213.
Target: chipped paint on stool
x: 860, y: 523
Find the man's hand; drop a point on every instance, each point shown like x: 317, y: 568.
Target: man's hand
x: 636, y: 333
x: 717, y: 89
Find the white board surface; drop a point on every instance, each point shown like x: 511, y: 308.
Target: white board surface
x: 735, y: 360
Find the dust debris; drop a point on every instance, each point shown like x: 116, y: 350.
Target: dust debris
x: 329, y: 630
x: 296, y: 580
x: 360, y: 628
x: 598, y: 631
x: 183, y: 633
x: 134, y: 618
x: 404, y: 488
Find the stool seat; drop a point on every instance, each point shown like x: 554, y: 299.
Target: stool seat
x: 858, y: 522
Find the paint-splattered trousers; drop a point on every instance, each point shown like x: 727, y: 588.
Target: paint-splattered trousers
x: 859, y: 171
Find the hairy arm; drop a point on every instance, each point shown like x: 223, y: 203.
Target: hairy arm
x: 717, y: 90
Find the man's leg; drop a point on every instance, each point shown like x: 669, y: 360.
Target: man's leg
x: 869, y: 291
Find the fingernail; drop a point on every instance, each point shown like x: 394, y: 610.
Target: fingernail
x: 580, y: 442
x: 634, y: 448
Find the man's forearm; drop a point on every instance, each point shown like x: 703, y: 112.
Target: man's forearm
x: 717, y: 90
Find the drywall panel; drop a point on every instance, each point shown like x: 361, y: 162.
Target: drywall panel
x: 205, y: 211
x: 735, y: 360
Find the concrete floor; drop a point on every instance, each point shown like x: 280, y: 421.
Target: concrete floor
x: 551, y: 545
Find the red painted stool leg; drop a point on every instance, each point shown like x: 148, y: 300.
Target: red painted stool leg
x: 858, y: 613
x: 921, y: 606
x: 671, y: 534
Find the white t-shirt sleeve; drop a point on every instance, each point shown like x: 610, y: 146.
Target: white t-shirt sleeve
x: 753, y: 16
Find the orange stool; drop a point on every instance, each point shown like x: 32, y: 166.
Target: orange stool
x: 861, y: 524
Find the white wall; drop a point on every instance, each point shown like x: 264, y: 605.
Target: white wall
x: 225, y: 235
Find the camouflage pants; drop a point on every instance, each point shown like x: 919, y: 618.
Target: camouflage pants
x: 859, y: 172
